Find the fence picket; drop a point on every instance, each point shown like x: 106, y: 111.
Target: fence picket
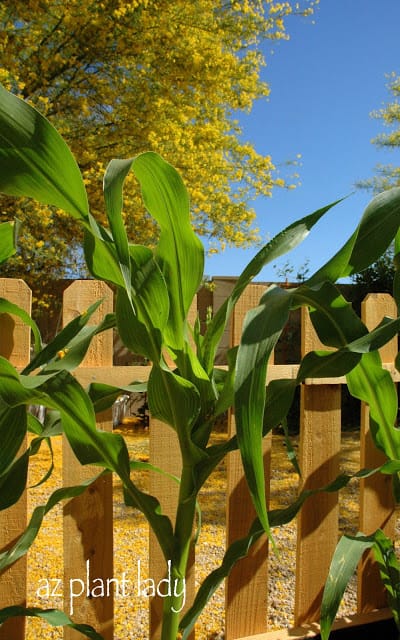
x: 14, y: 345
x: 317, y: 523
x: 88, y: 520
x: 246, y: 586
x: 377, y: 509
x: 164, y: 453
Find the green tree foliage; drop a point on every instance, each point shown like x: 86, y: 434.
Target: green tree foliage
x: 377, y: 278
x: 139, y: 75
x: 387, y: 175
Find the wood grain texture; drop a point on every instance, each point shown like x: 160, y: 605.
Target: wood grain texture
x: 88, y: 519
x: 317, y: 524
x: 377, y: 508
x: 15, y: 346
x: 247, y: 585
x: 165, y: 453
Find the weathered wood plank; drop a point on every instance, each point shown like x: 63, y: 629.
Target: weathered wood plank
x: 165, y: 453
x: 88, y: 520
x: 246, y: 587
x: 15, y: 346
x: 317, y: 524
x: 377, y: 508
x: 312, y: 629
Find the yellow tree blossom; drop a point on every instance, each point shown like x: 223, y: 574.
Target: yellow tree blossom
x: 118, y: 77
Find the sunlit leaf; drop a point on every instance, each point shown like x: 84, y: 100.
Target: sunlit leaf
x: 35, y: 161
x: 179, y: 251
x: 8, y: 232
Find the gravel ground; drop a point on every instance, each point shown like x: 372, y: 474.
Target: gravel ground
x: 130, y: 533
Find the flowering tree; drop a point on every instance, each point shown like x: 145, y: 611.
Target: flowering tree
x: 128, y: 76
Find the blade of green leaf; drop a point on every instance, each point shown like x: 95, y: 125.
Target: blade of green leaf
x: 239, y: 549
x: 9, y: 307
x: 389, y: 568
x: 103, y: 396
x: 262, y: 328
x: 344, y: 562
x: 54, y: 617
x: 375, y: 232
x: 175, y: 401
x: 101, y: 258
x: 35, y: 161
x: 282, y: 243
x: 140, y: 337
x: 13, y: 482
x: 8, y: 232
x: 369, y: 382
x: 13, y: 427
x: 179, y: 252
x: 23, y: 543
x: 114, y: 178
x: 62, y: 340
x: 333, y: 318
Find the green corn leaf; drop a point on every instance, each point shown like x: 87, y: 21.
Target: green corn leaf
x: 282, y: 243
x: 34, y: 448
x: 24, y: 542
x: 262, y: 328
x: 8, y: 233
x: 337, y: 325
x: 389, y: 568
x: 377, y: 229
x: 61, y: 391
x: 148, y: 284
x: 142, y: 338
x: 377, y: 338
x: 13, y: 482
x: 375, y: 232
x: 279, y: 399
x: 103, y: 396
x: 143, y: 309
x: 13, y: 427
x: 333, y: 318
x: 102, y: 259
x: 64, y: 339
x: 9, y: 307
x: 239, y: 549
x: 179, y: 252
x: 35, y: 161
x: 149, y: 505
x: 344, y: 562
x: 175, y: 401
x: 54, y: 617
x: 114, y: 177
x: 226, y: 378
x: 369, y: 382
x: 327, y: 364
x: 71, y: 355
x: 91, y: 446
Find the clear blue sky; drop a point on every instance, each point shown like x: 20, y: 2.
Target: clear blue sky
x: 324, y: 81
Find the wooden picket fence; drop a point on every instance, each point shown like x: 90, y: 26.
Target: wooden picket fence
x: 88, y: 524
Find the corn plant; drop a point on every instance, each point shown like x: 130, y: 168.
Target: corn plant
x: 347, y: 555
x: 155, y: 289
